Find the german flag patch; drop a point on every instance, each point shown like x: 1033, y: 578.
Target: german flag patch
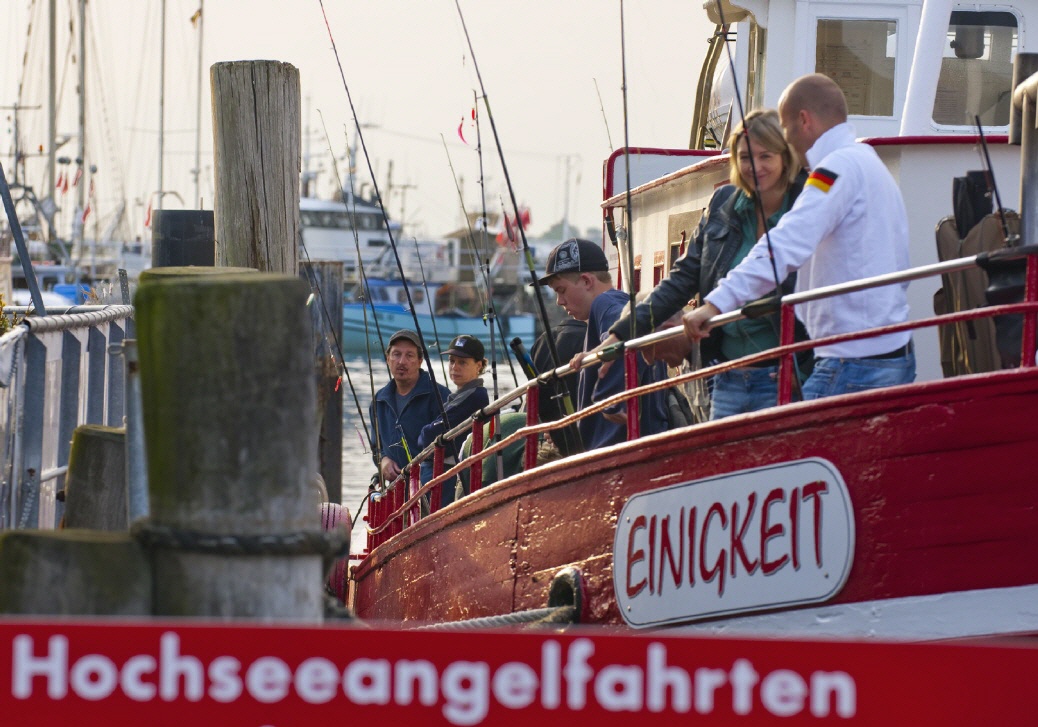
x: 821, y: 179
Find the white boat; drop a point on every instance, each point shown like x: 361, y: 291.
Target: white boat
x: 334, y: 230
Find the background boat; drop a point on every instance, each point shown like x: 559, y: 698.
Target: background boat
x: 438, y: 325
x: 445, y: 279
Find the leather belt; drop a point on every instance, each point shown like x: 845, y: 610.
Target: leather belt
x: 763, y: 364
x: 896, y: 353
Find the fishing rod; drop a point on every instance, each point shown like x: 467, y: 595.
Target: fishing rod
x: 601, y: 106
x: 989, y: 173
x: 757, y: 199
x: 365, y: 288
x: 758, y: 202
x: 377, y: 448
x: 484, y: 271
x: 385, y: 218
x: 625, y: 233
x: 316, y: 286
x: 432, y: 312
x: 491, y: 311
x: 515, y: 205
x: 499, y: 464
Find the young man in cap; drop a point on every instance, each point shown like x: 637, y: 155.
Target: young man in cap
x: 578, y: 272
x: 466, y: 361
x: 403, y: 406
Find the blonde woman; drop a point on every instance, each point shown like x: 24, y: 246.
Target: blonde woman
x: 729, y: 228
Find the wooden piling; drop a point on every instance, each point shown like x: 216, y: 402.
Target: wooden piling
x: 256, y: 142
x: 73, y: 573
x: 230, y: 424
x: 325, y: 278
x: 95, y: 488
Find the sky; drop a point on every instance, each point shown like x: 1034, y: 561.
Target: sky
x: 552, y: 70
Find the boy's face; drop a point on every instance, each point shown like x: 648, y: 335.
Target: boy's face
x: 574, y: 294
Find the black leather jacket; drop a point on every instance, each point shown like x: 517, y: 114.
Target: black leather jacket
x: 708, y: 259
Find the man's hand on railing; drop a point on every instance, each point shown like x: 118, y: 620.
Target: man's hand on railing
x: 611, y: 340
x: 577, y: 358
x: 696, y: 322
x: 390, y: 469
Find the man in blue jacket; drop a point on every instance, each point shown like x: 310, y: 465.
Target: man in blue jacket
x: 404, y: 405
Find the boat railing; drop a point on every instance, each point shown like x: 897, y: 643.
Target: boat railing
x: 406, y: 500
x: 56, y: 373
x: 400, y: 505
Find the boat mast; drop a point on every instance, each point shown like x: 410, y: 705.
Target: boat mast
x: 77, y: 217
x: 565, y: 203
x: 198, y: 107
x: 162, y: 100
x: 52, y: 94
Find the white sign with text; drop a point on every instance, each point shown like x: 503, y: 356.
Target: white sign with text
x: 752, y: 540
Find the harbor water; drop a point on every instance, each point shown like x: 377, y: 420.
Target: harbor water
x: 357, y: 463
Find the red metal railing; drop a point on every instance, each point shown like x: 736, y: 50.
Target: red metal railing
x: 387, y: 514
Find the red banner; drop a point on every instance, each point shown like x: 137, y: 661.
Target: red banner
x: 100, y: 673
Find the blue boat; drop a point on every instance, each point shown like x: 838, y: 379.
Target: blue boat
x: 456, y: 307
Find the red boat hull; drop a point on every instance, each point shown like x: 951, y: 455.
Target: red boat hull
x: 940, y: 475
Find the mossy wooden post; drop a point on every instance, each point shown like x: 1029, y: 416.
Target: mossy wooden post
x: 325, y: 279
x: 73, y: 573
x: 95, y: 488
x: 230, y: 423
x: 256, y: 142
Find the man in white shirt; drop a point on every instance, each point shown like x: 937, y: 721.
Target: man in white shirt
x: 848, y: 223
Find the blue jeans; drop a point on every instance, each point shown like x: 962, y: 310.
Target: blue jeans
x: 846, y: 375
x: 742, y: 390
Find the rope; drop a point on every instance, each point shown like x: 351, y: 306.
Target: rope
x: 81, y: 317
x: 536, y: 617
x: 328, y: 543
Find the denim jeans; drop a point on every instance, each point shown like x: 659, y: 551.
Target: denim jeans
x: 743, y: 390
x: 846, y: 375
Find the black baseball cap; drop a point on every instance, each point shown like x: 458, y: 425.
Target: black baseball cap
x: 574, y: 256
x: 404, y: 334
x: 467, y: 346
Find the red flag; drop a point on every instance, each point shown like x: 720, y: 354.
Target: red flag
x: 510, y: 233
x: 461, y: 124
x: 507, y: 234
x: 79, y: 173
x: 64, y: 185
x: 147, y: 216
x: 61, y: 179
x: 510, y: 228
x: 90, y: 200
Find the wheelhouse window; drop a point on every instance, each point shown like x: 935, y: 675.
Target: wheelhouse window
x: 977, y: 69
x: 860, y: 56
x: 369, y: 222
x: 327, y: 220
